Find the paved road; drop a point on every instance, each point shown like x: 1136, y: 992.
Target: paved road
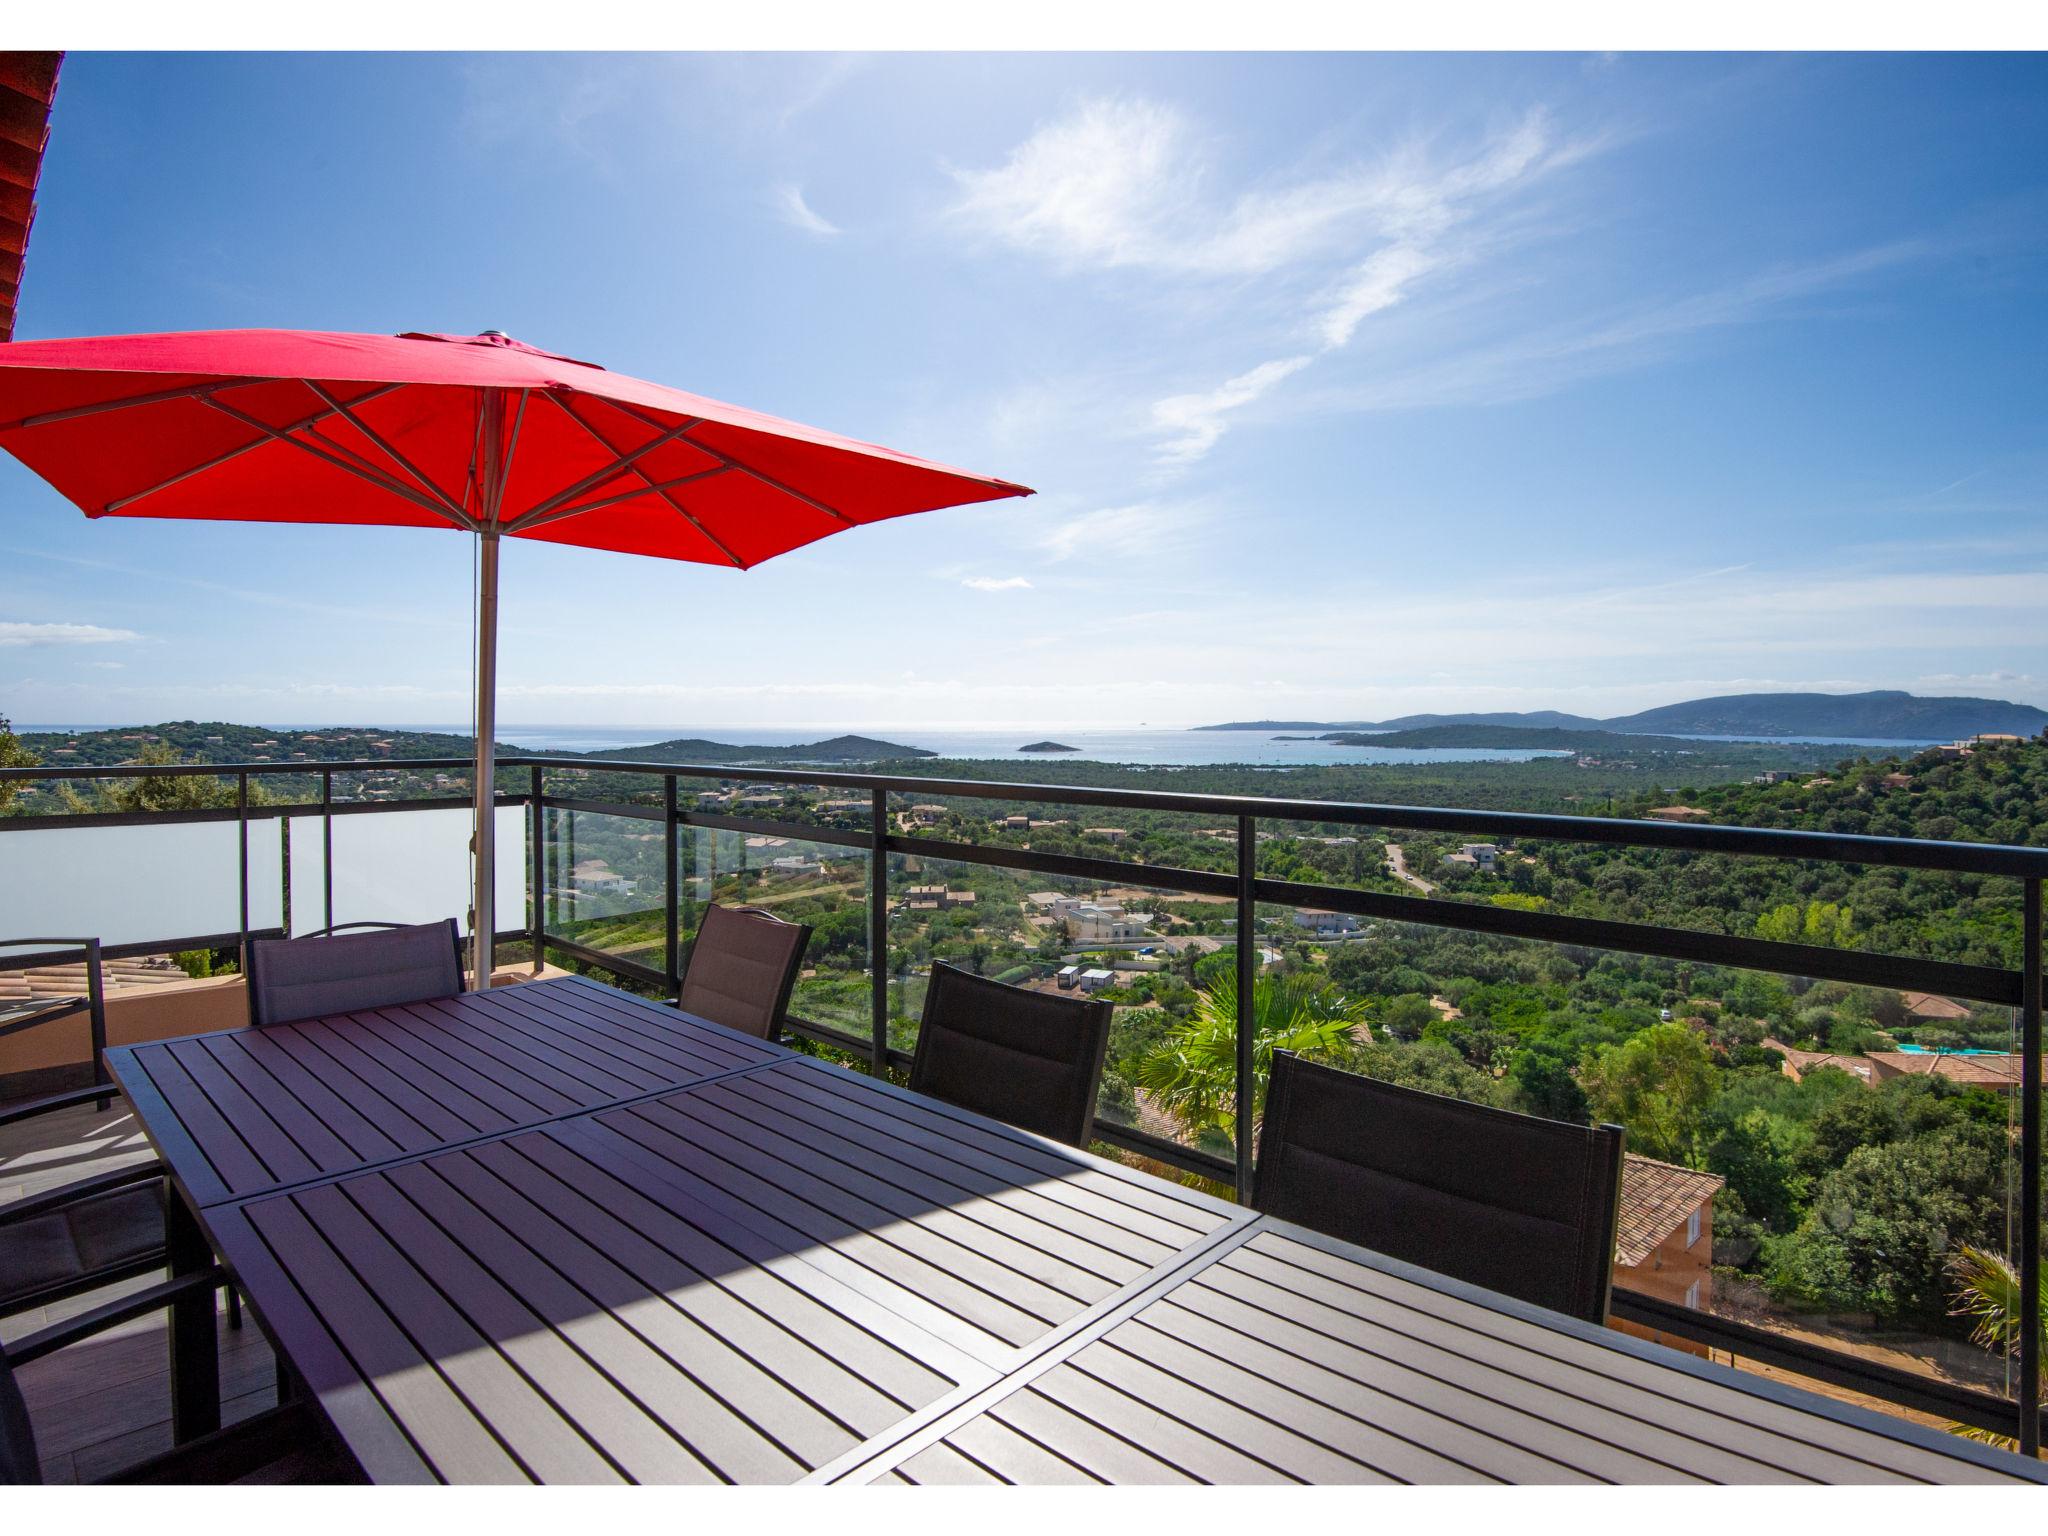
x: 1397, y: 862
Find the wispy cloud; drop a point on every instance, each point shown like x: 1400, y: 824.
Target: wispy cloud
x: 1129, y: 183
x: 996, y: 583
x: 789, y: 201
x: 1554, y: 356
x: 15, y: 634
x: 1193, y: 423
x: 1118, y: 531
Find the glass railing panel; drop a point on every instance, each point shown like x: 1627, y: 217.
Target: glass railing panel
x: 401, y: 867
x: 604, y: 884
x: 1911, y: 913
x: 139, y: 883
x: 608, y: 786
x: 824, y: 885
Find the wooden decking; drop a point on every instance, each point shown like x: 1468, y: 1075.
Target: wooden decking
x: 106, y: 1403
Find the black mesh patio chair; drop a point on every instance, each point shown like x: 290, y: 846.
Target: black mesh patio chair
x: 334, y: 971
x: 1517, y: 1204
x: 742, y: 969
x: 1031, y: 1059
x: 286, y: 1444
x: 94, y: 1231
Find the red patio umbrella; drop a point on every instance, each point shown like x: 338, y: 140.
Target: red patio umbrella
x: 478, y: 433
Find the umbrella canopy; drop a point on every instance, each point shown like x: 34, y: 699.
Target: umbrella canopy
x: 478, y: 433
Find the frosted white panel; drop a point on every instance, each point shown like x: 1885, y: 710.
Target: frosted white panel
x: 404, y: 867
x: 138, y: 884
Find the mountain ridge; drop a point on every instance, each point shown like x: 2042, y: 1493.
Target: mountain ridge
x: 1875, y: 715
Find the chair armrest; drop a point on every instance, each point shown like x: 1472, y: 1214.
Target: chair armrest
x: 49, y: 1340
x: 71, y: 1098
x: 84, y: 1189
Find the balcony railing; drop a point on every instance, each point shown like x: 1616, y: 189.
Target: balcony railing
x: 525, y: 786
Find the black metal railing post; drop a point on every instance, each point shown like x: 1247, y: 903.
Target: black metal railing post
x: 536, y: 872
x: 878, y: 926
x: 242, y: 839
x: 327, y: 848
x: 1247, y: 982
x: 96, y: 1006
x: 671, y: 934
x: 2030, y: 1173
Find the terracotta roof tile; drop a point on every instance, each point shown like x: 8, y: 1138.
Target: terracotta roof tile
x: 1656, y: 1198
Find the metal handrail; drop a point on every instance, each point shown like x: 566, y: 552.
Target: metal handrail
x: 2021, y: 989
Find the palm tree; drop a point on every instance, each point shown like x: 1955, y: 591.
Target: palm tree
x: 1988, y: 1290
x: 1191, y: 1073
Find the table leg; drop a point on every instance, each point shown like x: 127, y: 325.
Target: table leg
x: 195, y: 1356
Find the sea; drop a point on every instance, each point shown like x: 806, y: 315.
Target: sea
x: 1145, y: 745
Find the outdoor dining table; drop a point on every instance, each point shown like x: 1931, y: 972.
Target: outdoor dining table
x: 556, y: 1233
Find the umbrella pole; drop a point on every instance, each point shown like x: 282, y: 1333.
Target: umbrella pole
x: 484, y: 919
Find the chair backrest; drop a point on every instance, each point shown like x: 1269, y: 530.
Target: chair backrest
x: 1032, y: 1059
x: 305, y: 978
x: 1517, y: 1204
x: 18, y: 1462
x: 742, y: 969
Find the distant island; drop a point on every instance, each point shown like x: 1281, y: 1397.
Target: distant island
x: 1517, y: 737
x: 1881, y: 715
x: 1048, y: 746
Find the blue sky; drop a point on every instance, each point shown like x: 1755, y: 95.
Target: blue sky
x: 1352, y: 385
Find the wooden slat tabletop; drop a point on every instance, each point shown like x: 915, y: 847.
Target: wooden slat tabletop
x: 243, y: 1111
x: 988, y: 1237
x: 715, y: 1285
x: 1281, y: 1356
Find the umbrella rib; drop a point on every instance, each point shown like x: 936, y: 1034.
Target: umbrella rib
x: 588, y: 482
x: 233, y: 453
x: 659, y: 487
x: 369, y: 470
x: 747, y: 469
x: 381, y: 481
x: 390, y: 450
x: 156, y: 397
x: 661, y: 490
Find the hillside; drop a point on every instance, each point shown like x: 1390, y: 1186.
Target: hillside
x: 1525, y: 738
x: 1882, y: 715
x: 215, y: 741
x: 839, y: 749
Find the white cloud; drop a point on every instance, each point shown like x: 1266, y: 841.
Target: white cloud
x: 995, y: 583
x: 12, y: 633
x: 1117, y: 531
x: 789, y: 200
x: 1375, y: 284
x: 1128, y: 183
x: 1193, y: 423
